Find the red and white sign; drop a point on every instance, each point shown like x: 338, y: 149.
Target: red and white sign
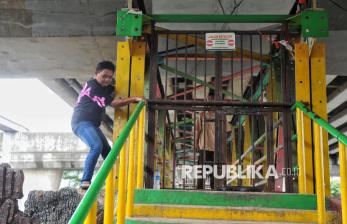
x: 220, y: 41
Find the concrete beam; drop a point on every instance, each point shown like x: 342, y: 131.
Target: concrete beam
x: 339, y: 119
x: 337, y: 16
x: 54, y: 57
x: 337, y: 100
x: 336, y: 52
x: 63, y: 18
x: 7, y: 125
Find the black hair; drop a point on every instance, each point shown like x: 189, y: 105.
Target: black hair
x: 104, y: 65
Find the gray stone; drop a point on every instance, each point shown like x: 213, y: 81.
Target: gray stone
x: 21, y: 218
x: 13, y: 208
x: 52, y: 207
x: 3, y: 168
x: 9, y: 182
x: 7, y: 211
x: 18, y: 184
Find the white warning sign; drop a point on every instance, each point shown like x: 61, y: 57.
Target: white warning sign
x: 220, y: 41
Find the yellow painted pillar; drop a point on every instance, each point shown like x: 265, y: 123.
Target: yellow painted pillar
x: 138, y: 68
x: 302, y: 92
x: 91, y: 218
x: 343, y: 175
x: 319, y: 164
x: 137, y: 89
x: 319, y: 101
x: 121, y: 116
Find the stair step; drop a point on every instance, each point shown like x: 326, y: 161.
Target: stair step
x: 222, y: 198
x: 150, y: 220
x: 229, y: 213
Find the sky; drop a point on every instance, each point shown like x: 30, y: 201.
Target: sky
x: 33, y: 105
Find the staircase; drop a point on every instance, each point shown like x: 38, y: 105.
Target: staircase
x: 174, y: 206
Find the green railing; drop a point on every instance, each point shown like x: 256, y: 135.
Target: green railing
x: 90, y: 196
x: 320, y: 124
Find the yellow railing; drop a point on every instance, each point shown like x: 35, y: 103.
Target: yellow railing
x: 86, y: 210
x: 125, y: 200
x: 320, y: 126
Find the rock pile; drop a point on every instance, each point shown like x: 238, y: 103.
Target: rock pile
x: 53, y: 207
x: 48, y: 207
x: 11, y: 189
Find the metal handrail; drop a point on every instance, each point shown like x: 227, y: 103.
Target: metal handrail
x: 90, y: 196
x: 319, y: 125
x: 321, y: 122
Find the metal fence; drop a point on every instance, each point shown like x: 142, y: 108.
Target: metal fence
x: 237, y: 101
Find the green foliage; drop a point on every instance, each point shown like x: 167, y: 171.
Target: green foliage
x: 335, y: 188
x: 72, y: 177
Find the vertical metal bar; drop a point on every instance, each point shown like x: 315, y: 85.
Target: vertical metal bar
x: 164, y: 150
x: 91, y: 218
x: 319, y: 167
x: 203, y: 119
x: 224, y: 144
x: 241, y: 65
x: 343, y: 175
x: 173, y: 164
x: 252, y: 142
x: 271, y: 78
x: 194, y: 145
x: 121, y: 186
x: 232, y: 74
x: 185, y: 97
x: 151, y: 111
x: 166, y: 62
x: 140, y: 150
x: 196, y: 65
x: 205, y: 74
x: 301, y: 150
x: 218, y: 76
x: 184, y: 142
x: 175, y: 112
x: 204, y: 149
x: 109, y: 198
x: 131, y: 175
x: 194, y: 115
x: 252, y: 116
x: 219, y: 153
x: 286, y: 118
x: 270, y: 149
x: 174, y: 160
x: 176, y: 45
x: 261, y: 66
x: 185, y: 66
x: 251, y: 49
x: 240, y: 149
x: 314, y: 4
